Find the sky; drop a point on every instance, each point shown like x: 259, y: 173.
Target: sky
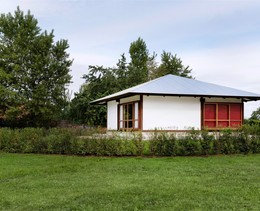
x: 218, y: 39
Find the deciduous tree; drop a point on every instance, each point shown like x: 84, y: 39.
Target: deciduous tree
x: 171, y: 64
x: 34, y: 72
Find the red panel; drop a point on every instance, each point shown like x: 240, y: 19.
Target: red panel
x: 235, y: 112
x: 223, y: 124
x: 222, y: 115
x: 235, y: 124
x: 210, y: 111
x: 223, y: 112
x: 210, y: 124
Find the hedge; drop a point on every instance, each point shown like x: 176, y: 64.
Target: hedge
x: 76, y: 142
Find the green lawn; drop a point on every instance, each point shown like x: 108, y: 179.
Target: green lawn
x: 50, y: 182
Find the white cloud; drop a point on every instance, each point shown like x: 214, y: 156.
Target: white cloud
x: 233, y: 66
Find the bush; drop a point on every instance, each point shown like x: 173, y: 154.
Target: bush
x: 162, y: 144
x: 187, y: 146
x: 61, y: 141
x: 226, y: 140
x: 32, y: 140
x: 8, y: 140
x: 70, y: 141
x: 207, y: 143
x: 110, y: 147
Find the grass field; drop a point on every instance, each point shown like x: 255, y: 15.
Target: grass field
x: 50, y: 182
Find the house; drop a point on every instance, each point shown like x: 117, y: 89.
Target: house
x: 174, y: 103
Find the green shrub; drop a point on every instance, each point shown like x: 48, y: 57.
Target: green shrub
x: 60, y: 141
x: 32, y: 139
x: 146, y: 148
x: 255, y: 145
x: 162, y: 144
x: 242, y: 143
x: 70, y: 141
x: 207, y: 142
x: 9, y: 141
x: 186, y: 146
x: 226, y: 139
x: 129, y: 148
x: 5, y: 138
x: 111, y: 147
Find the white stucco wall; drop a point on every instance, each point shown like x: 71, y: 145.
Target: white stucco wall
x: 171, y: 113
x: 112, y: 115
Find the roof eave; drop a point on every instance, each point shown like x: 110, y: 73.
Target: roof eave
x: 104, y: 101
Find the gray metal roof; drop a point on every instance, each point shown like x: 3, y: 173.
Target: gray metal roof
x: 179, y: 86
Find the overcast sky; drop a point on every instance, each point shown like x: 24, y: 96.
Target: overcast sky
x: 219, y: 40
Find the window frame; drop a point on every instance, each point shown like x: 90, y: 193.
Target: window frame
x: 124, y: 121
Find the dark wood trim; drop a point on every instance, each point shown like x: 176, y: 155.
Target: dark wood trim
x: 242, y: 112
x: 202, y: 102
x: 118, y: 116
x: 140, y: 113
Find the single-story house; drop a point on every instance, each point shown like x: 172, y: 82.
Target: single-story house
x: 174, y: 103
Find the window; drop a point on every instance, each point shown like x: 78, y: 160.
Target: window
x: 128, y: 116
x: 222, y: 115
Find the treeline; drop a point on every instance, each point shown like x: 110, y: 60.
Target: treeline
x: 83, y: 142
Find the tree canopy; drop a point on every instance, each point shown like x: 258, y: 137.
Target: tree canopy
x: 171, y: 65
x: 34, y: 72
x: 255, y: 114
x: 101, y: 81
x: 137, y: 68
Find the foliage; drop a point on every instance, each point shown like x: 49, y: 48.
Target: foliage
x: 138, y: 70
x: 207, y: 142
x: 92, y: 142
x: 170, y: 65
x: 163, y: 144
x: 34, y: 72
x: 255, y: 118
x: 255, y: 114
x: 99, y: 82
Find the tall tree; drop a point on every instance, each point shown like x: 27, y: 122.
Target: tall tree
x: 171, y: 64
x: 34, y: 72
x: 139, y: 54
